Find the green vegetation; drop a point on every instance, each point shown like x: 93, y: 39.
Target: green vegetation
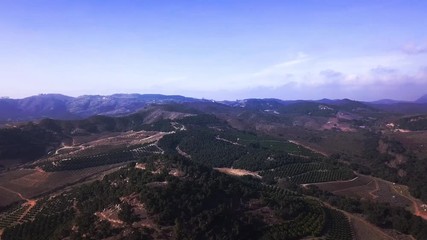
x: 112, y: 157
x: 416, y: 123
x: 338, y: 225
x: 182, y: 197
x: 26, y: 143
x: 205, y: 204
x: 375, y: 163
x: 308, y: 173
x: 380, y: 214
x: 214, y: 143
x: 12, y: 215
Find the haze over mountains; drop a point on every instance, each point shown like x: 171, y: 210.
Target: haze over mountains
x: 64, y: 107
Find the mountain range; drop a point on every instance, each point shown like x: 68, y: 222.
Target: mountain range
x: 59, y: 106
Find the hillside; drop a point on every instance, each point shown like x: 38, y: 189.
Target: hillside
x: 422, y: 99
x: 208, y: 170
x: 64, y: 107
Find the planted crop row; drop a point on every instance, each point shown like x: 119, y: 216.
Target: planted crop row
x: 308, y: 173
x: 309, y: 223
x: 322, y: 176
x: 338, y: 226
x: 12, y: 216
x: 80, y: 162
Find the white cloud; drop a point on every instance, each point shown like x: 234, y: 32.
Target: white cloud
x: 359, y: 71
x: 412, y: 48
x: 283, y: 67
x: 322, y: 76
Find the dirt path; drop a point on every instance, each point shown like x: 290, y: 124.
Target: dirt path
x: 29, y: 202
x: 341, y: 181
x: 17, y: 193
x: 228, y: 141
x: 309, y: 148
x: 182, y: 153
x: 105, y: 217
x: 377, y: 188
x: 418, y: 211
x: 68, y: 147
x: 403, y: 191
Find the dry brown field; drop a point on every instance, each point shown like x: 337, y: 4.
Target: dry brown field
x: 375, y: 189
x: 30, y: 183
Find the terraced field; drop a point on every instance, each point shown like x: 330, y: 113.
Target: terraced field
x: 375, y: 189
x: 303, y: 173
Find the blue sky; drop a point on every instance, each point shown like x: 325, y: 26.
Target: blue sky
x: 217, y: 49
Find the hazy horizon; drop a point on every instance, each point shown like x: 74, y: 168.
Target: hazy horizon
x: 222, y: 50
x: 215, y: 99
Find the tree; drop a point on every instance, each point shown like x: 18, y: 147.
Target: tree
x: 126, y: 213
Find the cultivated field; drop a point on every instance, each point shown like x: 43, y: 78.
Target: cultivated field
x: 100, y: 143
x: 29, y: 183
x: 364, y: 230
x: 375, y: 189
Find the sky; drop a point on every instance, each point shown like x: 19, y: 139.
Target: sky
x: 215, y: 49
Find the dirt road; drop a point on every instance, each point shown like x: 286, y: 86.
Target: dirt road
x: 308, y: 147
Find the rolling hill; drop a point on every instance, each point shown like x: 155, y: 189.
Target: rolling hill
x: 197, y: 169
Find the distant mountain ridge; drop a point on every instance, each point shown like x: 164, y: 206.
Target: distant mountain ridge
x: 422, y: 99
x: 57, y: 106
x: 65, y: 107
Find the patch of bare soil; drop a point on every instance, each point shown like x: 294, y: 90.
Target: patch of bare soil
x: 141, y: 212
x: 262, y: 212
x: 111, y: 215
x: 30, y: 203
x: 364, y: 230
x: 182, y: 153
x: 141, y: 166
x: 336, y: 124
x: 27, y: 184
x: 238, y: 172
x: 176, y: 172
